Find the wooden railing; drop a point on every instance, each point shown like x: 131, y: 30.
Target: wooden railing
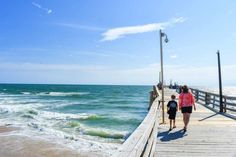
x: 142, y: 142
x: 213, y: 100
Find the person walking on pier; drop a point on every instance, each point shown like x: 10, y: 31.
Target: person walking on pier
x: 172, y: 108
x: 186, y: 104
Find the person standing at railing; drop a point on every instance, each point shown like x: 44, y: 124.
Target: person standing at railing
x: 186, y: 104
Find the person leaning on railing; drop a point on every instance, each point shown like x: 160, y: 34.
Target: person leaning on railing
x: 186, y: 104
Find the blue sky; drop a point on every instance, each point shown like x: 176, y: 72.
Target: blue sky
x: 116, y: 42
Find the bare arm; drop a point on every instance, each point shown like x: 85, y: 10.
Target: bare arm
x: 194, y: 106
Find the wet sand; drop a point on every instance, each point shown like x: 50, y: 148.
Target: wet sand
x: 22, y: 146
x: 4, y: 129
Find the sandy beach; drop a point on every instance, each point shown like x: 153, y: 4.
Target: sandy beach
x: 22, y: 146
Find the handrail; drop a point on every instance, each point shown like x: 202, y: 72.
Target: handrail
x: 212, y: 100
x: 142, y: 141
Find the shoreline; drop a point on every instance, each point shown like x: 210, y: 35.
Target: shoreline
x: 13, y: 145
x: 5, y: 129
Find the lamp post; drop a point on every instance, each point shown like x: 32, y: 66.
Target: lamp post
x: 162, y: 74
x: 220, y: 82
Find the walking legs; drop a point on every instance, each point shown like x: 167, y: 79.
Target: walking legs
x: 186, y: 117
x: 170, y: 124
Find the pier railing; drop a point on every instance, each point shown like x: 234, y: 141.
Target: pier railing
x: 212, y: 100
x: 142, y: 142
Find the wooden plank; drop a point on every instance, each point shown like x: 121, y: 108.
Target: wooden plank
x: 155, y: 135
x: 150, y: 142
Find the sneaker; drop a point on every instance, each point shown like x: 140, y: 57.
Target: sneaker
x: 170, y: 129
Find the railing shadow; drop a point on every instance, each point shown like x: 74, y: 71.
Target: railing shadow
x: 168, y: 136
x: 208, y: 117
x: 217, y: 112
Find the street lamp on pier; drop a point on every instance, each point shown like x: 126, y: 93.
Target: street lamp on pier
x: 220, y: 82
x: 162, y: 35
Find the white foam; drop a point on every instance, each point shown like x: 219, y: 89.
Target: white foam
x: 26, y: 93
x: 62, y: 93
x: 70, y: 140
x: 61, y: 116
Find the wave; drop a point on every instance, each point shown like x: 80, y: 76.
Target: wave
x: 85, y: 117
x: 61, y: 94
x: 108, y: 121
x: 30, y: 114
x: 61, y: 116
x: 92, y: 117
x: 3, y: 110
x: 26, y: 93
x: 73, y: 124
x: 105, y: 133
x: 33, y: 112
x: 16, y: 106
x: 10, y: 109
x: 29, y: 110
x: 27, y: 116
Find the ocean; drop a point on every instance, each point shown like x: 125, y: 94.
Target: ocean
x: 85, y: 117
x: 227, y: 90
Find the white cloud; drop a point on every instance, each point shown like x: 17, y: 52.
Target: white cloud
x: 99, y: 74
x: 77, y: 26
x: 115, y: 33
x: 37, y: 5
x: 49, y: 67
x: 173, y: 56
x: 48, y: 11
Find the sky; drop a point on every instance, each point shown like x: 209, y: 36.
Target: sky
x: 117, y: 42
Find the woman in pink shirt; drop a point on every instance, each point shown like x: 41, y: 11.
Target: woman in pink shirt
x: 186, y: 103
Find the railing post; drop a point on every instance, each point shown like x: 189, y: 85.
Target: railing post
x: 153, y: 96
x: 150, y: 99
x: 197, y: 95
x: 207, y: 98
x: 214, y: 101
x: 225, y: 109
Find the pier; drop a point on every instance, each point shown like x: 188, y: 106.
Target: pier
x: 209, y: 133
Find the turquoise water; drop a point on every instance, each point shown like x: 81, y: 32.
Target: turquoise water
x: 94, y: 112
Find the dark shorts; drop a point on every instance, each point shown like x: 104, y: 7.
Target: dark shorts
x: 187, y: 109
x: 172, y: 115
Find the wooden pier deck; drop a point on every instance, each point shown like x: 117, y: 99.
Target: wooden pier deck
x: 209, y: 134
